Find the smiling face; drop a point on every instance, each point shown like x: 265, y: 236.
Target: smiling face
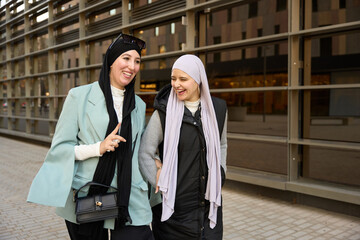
x: 124, y: 69
x: 184, y: 86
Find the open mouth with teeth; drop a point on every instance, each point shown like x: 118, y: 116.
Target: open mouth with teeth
x: 128, y: 75
x: 180, y: 92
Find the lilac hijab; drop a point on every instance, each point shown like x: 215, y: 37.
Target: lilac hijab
x: 193, y: 66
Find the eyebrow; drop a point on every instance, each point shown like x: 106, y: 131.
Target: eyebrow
x: 128, y: 55
x: 181, y: 77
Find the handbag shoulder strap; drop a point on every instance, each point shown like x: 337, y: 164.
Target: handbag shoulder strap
x: 93, y: 184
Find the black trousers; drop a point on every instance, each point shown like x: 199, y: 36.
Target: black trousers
x: 128, y: 232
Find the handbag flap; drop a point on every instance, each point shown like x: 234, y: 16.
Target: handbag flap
x: 96, y: 203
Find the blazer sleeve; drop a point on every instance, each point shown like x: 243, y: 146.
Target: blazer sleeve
x: 52, y: 184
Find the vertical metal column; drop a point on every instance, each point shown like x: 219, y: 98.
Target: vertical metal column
x: 27, y: 79
x: 307, y: 81
x: 82, y: 44
x: 9, y: 90
x: 51, y: 69
x: 293, y: 95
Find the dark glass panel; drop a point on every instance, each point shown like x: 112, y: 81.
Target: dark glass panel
x: 98, y: 50
x: 156, y: 74
x: 335, y: 60
x: 3, y: 122
x: 162, y: 38
x: 267, y: 157
x: 331, y: 165
x: 332, y: 114
x: 149, y: 100
x: 41, y: 127
x: 246, y: 19
x: 325, y: 12
x: 280, y: 5
x: 247, y: 114
x: 243, y: 68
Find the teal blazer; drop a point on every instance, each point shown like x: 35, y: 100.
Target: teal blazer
x: 84, y: 120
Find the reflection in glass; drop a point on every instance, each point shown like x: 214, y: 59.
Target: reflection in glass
x: 22, y: 87
x: 98, y: 50
x: 21, y: 68
x: 325, y: 12
x: 335, y: 60
x: 149, y: 100
x: 67, y: 58
x: 163, y: 38
x: 332, y: 114
x: 68, y: 81
x: 331, y: 165
x: 267, y: 157
x: 156, y: 74
x: 226, y: 24
x: 40, y: 127
x: 19, y: 49
x: 243, y: 68
x: 263, y: 113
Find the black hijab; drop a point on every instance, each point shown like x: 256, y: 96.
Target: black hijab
x: 121, y: 158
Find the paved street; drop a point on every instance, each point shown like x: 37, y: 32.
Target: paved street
x: 246, y: 216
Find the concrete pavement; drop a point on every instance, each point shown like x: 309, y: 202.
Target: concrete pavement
x: 246, y: 215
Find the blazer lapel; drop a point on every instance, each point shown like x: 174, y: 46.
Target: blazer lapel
x: 97, y: 112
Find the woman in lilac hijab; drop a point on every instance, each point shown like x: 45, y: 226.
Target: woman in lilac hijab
x: 183, y: 155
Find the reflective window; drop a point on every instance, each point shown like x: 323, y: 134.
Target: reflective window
x: 67, y: 58
x: 41, y: 64
x: 68, y: 81
x: 268, y: 157
x: 331, y: 165
x: 40, y: 127
x: 98, y: 49
x: 40, y: 42
x: 332, y: 114
x: 149, y: 100
x: 3, y: 122
x: 156, y: 74
x: 22, y: 88
x: 19, y: 49
x: 3, y: 54
x: 335, y: 59
x: 263, y: 113
x: 246, y: 19
x: 20, y: 68
x: 242, y: 67
x: 163, y: 38
x: 325, y: 12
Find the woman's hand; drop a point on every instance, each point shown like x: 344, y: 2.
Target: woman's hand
x: 158, y: 166
x: 111, y: 141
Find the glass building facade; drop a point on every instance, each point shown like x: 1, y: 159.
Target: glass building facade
x: 289, y: 71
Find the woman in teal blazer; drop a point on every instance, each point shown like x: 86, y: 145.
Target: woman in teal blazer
x: 97, y: 138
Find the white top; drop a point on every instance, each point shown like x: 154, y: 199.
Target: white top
x: 83, y: 152
x: 192, y: 106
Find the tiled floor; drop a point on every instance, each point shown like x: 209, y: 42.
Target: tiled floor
x: 246, y: 216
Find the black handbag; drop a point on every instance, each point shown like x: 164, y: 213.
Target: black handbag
x: 96, y: 208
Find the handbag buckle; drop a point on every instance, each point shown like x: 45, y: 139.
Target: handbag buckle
x: 98, y: 203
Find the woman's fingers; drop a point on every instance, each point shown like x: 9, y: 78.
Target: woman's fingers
x: 111, y: 142
x: 114, y: 143
x: 116, y: 130
x: 157, y: 179
x: 117, y: 139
